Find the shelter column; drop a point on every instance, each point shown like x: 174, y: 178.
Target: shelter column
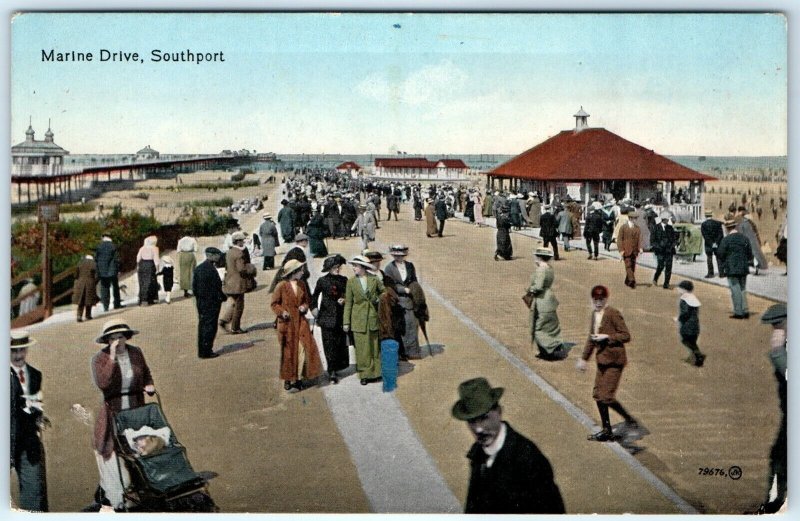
x: 627, y: 189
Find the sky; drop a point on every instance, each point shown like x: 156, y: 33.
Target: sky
x: 680, y: 84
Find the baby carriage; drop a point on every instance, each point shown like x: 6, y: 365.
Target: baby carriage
x: 162, y: 479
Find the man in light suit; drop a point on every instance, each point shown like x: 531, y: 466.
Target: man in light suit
x: 629, y: 242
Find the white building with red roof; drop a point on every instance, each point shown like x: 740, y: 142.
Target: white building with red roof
x: 585, y: 162
x: 349, y: 167
x: 420, y: 169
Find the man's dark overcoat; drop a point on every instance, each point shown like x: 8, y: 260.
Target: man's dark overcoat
x: 520, y: 481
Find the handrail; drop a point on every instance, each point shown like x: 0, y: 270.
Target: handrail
x: 22, y: 276
x: 64, y: 274
x: 20, y: 298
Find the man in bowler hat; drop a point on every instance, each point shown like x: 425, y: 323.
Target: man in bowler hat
x: 509, y: 475
x: 207, y: 289
x: 27, y: 420
x: 735, y: 255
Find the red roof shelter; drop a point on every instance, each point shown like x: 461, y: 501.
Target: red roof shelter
x: 586, y: 162
x: 349, y: 166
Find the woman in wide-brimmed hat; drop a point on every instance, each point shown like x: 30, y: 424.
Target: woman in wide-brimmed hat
x: 121, y: 373
x: 362, y: 296
x: 544, y: 326
x: 299, y: 354
x: 330, y: 315
x: 402, y: 278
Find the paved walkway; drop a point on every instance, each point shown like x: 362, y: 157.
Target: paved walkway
x: 770, y: 283
x: 402, y: 449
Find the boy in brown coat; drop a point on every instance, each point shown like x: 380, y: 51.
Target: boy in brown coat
x: 607, y: 338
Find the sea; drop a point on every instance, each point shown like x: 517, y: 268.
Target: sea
x: 774, y: 167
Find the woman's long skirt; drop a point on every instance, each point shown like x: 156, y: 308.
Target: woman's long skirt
x: 187, y: 262
x: 410, y: 328
x: 469, y: 211
x: 148, y: 285
x: 478, y: 212
x: 317, y: 247
x: 546, y: 332
x: 368, y: 354
x: 334, y: 343
x: 504, y: 247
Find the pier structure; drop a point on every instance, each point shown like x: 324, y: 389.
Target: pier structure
x: 31, y: 188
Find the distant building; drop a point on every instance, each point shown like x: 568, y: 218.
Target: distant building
x: 349, y: 167
x: 267, y: 157
x: 37, y: 158
x: 420, y: 169
x: 147, y: 154
x: 451, y: 167
x: 588, y: 162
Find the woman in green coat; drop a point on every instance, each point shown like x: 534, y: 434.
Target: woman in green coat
x: 545, y: 329
x: 361, y: 317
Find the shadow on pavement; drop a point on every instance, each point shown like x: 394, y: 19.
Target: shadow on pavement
x: 432, y: 350
x: 263, y: 325
x: 630, y: 436
x: 239, y: 346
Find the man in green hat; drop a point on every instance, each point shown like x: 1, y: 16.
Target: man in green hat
x: 508, y: 473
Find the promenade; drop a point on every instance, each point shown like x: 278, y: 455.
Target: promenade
x: 348, y: 448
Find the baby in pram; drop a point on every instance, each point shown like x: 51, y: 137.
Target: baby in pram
x: 147, y: 440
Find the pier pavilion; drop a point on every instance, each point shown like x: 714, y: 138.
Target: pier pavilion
x: 37, y: 158
x: 585, y: 162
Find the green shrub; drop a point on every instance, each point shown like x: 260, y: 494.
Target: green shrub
x: 71, y: 239
x: 77, y: 208
x: 221, y: 202
x: 208, y: 223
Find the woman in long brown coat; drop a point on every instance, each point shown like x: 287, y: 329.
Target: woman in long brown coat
x: 607, y: 338
x: 430, y: 218
x: 299, y: 354
x: 84, y: 291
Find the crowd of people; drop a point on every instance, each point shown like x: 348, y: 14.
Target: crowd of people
x: 387, y: 303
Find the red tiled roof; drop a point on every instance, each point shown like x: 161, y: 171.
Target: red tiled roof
x: 593, y: 154
x: 453, y: 163
x: 348, y: 165
x: 405, y: 162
